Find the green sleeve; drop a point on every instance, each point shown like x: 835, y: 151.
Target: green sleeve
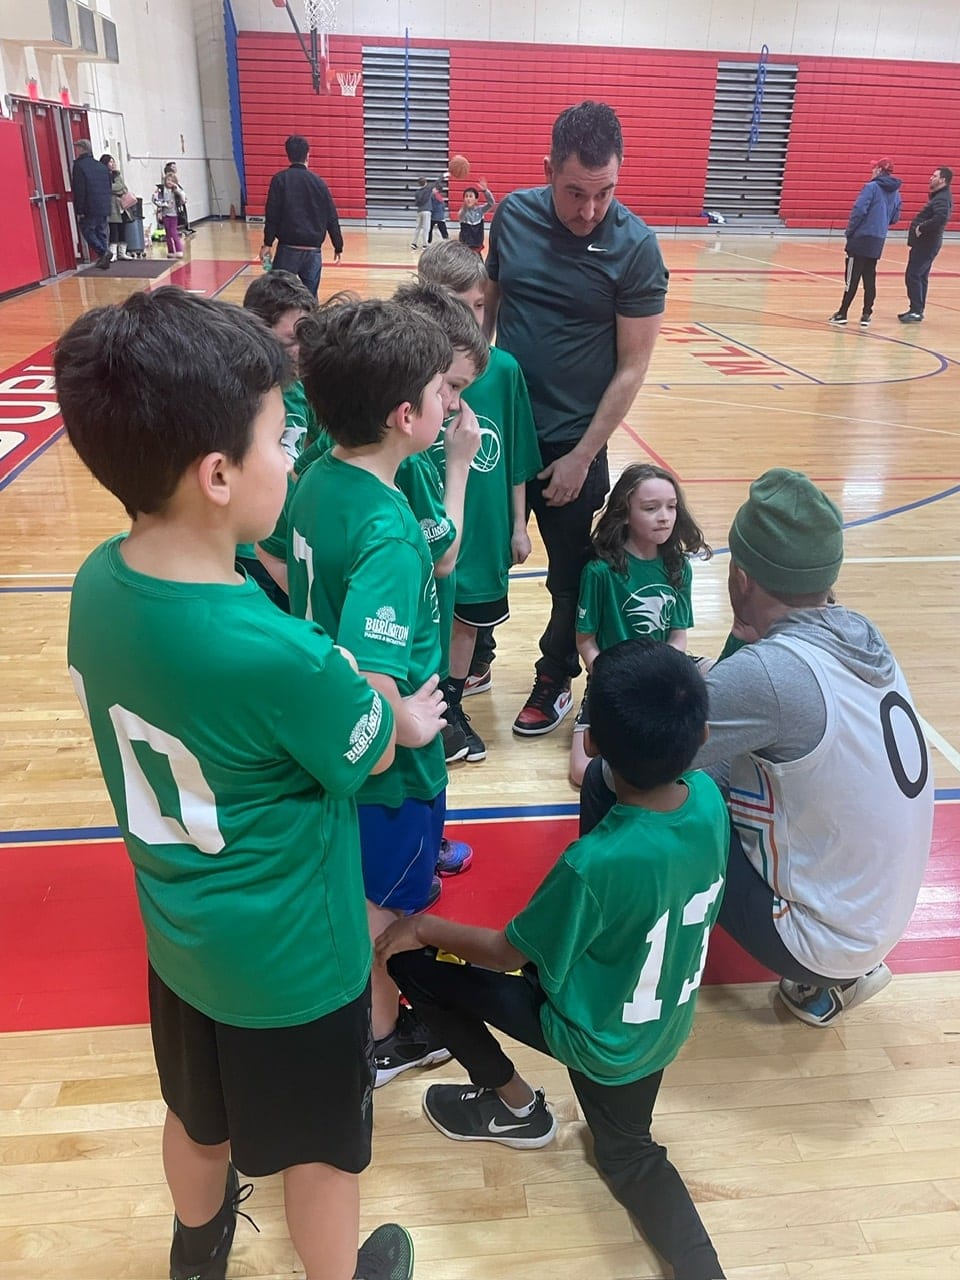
x: 683, y: 613
x: 642, y: 288
x: 419, y: 481
x: 334, y: 724
x: 589, y: 610
x: 526, y: 448
x: 379, y: 613
x: 557, y: 925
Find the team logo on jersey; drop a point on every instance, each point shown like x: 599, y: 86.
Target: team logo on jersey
x: 430, y: 598
x: 365, y: 731
x: 488, y: 455
x: 650, y: 609
x: 384, y: 626
x: 434, y: 530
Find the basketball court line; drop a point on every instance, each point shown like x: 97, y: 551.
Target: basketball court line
x: 949, y: 752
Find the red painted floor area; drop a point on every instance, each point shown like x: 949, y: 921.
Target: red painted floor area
x: 72, y: 951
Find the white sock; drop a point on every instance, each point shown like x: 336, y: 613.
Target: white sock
x: 522, y: 1112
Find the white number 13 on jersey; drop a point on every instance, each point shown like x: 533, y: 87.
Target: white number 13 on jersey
x: 645, y: 1006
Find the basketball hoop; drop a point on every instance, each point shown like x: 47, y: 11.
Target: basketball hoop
x: 321, y: 17
x: 348, y: 81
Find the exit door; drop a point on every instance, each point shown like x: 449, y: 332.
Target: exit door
x: 47, y: 129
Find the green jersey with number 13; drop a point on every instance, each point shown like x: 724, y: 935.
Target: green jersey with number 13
x: 619, y: 929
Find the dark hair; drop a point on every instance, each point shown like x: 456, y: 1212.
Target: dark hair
x: 612, y: 529
x: 106, y: 158
x: 359, y: 360
x: 273, y: 294
x: 169, y: 167
x: 590, y: 131
x: 648, y: 708
x: 475, y: 190
x: 945, y: 173
x: 453, y: 316
x: 151, y: 385
x: 451, y: 264
x: 297, y: 148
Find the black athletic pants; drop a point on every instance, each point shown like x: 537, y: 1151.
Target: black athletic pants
x: 456, y: 1001
x: 566, y: 535
x: 858, y: 269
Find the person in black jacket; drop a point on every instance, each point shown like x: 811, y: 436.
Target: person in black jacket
x: 92, y: 184
x: 300, y: 213
x: 925, y: 238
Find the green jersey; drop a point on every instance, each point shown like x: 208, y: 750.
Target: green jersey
x: 641, y: 602
x: 232, y: 740
x: 618, y: 931
x: 359, y: 566
x: 419, y: 478
x: 302, y: 427
x: 508, y: 455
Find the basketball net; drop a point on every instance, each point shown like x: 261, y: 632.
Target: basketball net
x: 348, y: 81
x: 321, y: 18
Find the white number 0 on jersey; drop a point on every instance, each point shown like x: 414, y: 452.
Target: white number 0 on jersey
x: 645, y: 1006
x: 198, y: 805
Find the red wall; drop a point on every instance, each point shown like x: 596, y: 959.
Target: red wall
x: 504, y: 98
x: 19, y: 261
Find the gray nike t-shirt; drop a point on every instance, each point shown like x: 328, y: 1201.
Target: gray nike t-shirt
x: 560, y: 296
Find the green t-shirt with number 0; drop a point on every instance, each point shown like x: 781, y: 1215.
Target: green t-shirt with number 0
x: 232, y: 739
x: 618, y: 930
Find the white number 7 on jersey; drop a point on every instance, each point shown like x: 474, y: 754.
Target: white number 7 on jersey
x: 645, y: 1005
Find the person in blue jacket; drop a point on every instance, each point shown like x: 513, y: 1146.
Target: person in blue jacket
x: 875, y: 209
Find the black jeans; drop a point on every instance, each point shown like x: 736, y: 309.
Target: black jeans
x: 747, y: 908
x: 566, y: 535
x: 858, y: 269
x: 456, y: 1001
x: 916, y: 277
x: 437, y: 224
x: 305, y: 263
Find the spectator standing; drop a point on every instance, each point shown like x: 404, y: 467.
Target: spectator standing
x: 925, y: 239
x: 300, y: 214
x: 92, y: 200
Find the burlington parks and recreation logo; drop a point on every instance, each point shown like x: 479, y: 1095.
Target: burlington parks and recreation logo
x: 365, y: 731
x: 384, y: 626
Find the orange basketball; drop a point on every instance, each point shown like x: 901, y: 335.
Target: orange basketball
x: 459, y: 166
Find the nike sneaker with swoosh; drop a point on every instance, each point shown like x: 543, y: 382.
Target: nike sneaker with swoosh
x: 468, y: 1114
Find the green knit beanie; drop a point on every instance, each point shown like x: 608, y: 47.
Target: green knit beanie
x: 788, y: 535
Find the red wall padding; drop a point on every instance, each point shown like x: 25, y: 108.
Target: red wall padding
x: 504, y: 98
x: 20, y: 260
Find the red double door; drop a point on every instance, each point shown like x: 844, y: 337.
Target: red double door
x: 48, y: 132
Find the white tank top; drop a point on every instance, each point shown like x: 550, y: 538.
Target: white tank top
x: 841, y: 835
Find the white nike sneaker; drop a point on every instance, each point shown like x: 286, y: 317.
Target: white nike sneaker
x: 468, y: 1114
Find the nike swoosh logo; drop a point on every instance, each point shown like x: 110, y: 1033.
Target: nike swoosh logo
x: 503, y: 1128
x: 595, y: 248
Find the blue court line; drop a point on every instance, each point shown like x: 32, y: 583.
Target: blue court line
x: 6, y: 591
x: 517, y: 812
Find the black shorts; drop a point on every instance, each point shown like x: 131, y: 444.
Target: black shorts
x: 483, y: 615
x: 281, y: 1096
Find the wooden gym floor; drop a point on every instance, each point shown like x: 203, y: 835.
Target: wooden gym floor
x: 828, y: 1155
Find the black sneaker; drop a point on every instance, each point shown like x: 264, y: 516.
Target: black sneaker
x: 455, y: 744
x: 410, y: 1045
x: 865, y: 319
x: 838, y: 318
x: 468, y: 1114
x: 910, y: 317
x: 214, y: 1267
x: 550, y: 700
x: 103, y: 262
x: 387, y: 1254
x: 476, y: 750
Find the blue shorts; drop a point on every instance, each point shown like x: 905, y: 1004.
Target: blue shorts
x: 399, y: 849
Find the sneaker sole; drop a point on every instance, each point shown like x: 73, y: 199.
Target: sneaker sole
x: 480, y: 688
x: 457, y: 756
x: 435, y: 1059
x: 882, y: 978
x: 518, y: 1144
x: 522, y: 732
x: 474, y: 757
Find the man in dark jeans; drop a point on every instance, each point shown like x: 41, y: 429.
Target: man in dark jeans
x: 925, y: 239
x: 601, y: 968
x: 92, y: 184
x: 300, y: 214
x: 576, y: 293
